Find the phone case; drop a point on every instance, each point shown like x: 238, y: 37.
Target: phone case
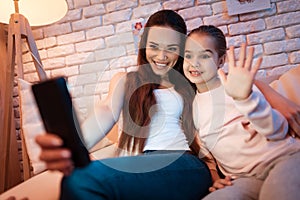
x: 59, y: 117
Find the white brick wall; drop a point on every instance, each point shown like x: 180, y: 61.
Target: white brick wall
x: 94, y: 40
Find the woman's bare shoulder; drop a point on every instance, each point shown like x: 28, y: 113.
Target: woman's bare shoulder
x: 118, y: 78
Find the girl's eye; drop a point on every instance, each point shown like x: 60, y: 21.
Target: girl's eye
x: 187, y: 56
x: 204, y: 56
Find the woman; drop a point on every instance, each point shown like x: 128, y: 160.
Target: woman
x: 153, y: 100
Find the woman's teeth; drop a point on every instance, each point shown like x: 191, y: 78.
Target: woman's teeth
x: 161, y: 65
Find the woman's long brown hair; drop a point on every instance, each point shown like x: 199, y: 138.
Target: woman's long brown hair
x: 139, y: 96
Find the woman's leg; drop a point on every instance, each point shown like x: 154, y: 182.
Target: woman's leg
x: 181, y: 176
x: 283, y: 181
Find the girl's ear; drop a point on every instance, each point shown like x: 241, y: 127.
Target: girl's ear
x: 222, y: 60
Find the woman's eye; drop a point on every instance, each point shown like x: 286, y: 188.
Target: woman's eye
x: 172, y: 49
x: 151, y: 46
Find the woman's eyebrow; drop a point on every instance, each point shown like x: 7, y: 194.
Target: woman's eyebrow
x: 153, y: 43
x: 169, y: 45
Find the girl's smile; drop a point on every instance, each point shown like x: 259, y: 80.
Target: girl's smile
x: 195, y: 73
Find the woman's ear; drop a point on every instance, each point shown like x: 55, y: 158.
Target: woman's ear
x: 222, y: 60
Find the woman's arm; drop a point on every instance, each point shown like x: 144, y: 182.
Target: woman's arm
x: 289, y: 109
x: 106, y: 113
x: 96, y: 126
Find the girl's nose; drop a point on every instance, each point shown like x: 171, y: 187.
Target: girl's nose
x: 195, y: 63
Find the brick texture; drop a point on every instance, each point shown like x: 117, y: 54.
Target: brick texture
x: 95, y: 36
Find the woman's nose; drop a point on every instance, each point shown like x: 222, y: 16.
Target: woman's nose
x: 162, y: 55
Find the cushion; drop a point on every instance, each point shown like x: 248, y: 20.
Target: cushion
x: 288, y: 84
x: 31, y: 125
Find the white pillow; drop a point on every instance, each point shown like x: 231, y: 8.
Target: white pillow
x: 31, y: 125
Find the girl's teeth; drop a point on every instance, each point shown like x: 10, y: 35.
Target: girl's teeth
x: 195, y: 73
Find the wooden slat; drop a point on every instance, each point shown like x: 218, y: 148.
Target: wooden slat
x: 10, y: 173
x: 2, y: 83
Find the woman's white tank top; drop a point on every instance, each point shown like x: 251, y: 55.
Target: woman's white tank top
x: 165, y: 131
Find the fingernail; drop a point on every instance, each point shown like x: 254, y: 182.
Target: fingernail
x: 66, y: 154
x: 57, y: 142
x: 234, y: 177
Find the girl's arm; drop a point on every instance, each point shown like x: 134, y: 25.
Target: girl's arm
x: 218, y: 182
x: 248, y: 99
x: 289, y: 109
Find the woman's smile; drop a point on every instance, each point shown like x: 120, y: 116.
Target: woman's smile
x: 161, y: 65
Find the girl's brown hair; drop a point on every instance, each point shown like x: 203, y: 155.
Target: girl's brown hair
x: 214, y: 32
x: 139, y: 96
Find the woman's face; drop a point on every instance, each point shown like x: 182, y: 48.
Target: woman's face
x: 162, y: 49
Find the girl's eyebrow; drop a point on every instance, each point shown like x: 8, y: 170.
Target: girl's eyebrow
x: 208, y: 50
x: 203, y: 51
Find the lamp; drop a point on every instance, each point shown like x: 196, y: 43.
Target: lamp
x: 39, y: 12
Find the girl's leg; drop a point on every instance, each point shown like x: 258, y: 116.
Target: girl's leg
x: 283, y: 181
x: 181, y: 176
x: 242, y: 188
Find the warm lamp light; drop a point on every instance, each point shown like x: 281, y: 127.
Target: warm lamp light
x: 38, y: 12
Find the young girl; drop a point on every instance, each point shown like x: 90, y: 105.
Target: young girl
x: 236, y: 124
x: 167, y: 169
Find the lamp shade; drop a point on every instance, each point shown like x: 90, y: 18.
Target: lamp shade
x: 37, y: 12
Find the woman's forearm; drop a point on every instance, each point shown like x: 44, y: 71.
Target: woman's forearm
x: 273, y: 97
x: 289, y: 109
x: 106, y: 113
x: 95, y: 127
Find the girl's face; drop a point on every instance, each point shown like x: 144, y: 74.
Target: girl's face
x: 201, y: 61
x: 162, y: 49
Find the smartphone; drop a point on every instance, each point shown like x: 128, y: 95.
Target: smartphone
x: 59, y: 117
